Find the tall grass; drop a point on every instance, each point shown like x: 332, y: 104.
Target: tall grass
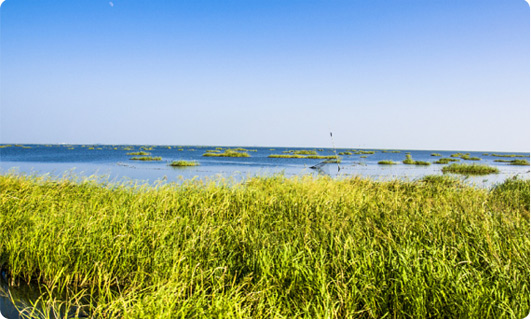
x: 470, y: 169
x: 227, y: 153
x: 272, y: 247
x: 183, y: 163
x: 146, y: 158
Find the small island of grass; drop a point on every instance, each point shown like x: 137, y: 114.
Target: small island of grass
x: 145, y: 158
x: 467, y: 169
x: 184, y: 163
x: 139, y: 153
x: 387, y: 162
x: 227, y: 153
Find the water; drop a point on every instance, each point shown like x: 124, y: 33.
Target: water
x: 112, y: 163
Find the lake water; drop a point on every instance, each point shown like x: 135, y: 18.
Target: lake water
x: 112, y: 163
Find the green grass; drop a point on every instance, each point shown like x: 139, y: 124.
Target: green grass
x: 184, y: 163
x: 301, y: 152
x: 468, y: 158
x: 344, y: 153
x: 409, y: 161
x: 387, y: 162
x: 467, y: 169
x: 272, y: 247
x: 507, y: 155
x: 4, y: 146
x: 435, y: 154
x: 139, y: 153
x: 445, y: 160
x: 146, y: 158
x: 227, y: 153
x: 302, y: 156
x: 514, y: 162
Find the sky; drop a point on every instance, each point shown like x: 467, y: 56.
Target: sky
x: 404, y: 74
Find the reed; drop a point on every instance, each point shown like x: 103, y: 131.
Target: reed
x: 435, y: 154
x: 139, y: 153
x: 519, y: 162
x: 146, y: 158
x: 271, y: 247
x: 473, y: 169
x: 184, y: 163
x: 227, y: 153
x: 387, y: 162
x: 508, y: 155
x: 445, y: 160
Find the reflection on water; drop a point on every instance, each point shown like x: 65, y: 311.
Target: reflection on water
x: 25, y: 301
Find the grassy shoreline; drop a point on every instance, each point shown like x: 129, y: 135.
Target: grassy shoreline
x: 273, y: 247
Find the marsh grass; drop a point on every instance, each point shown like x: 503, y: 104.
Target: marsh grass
x: 387, y: 162
x: 507, y: 155
x: 139, y: 153
x: 435, y: 154
x: 146, y: 158
x: 183, y: 163
x: 446, y: 160
x: 227, y: 153
x: 272, y: 247
x: 302, y: 156
x: 514, y: 162
x: 344, y: 153
x: 409, y: 161
x: 467, y: 169
x: 468, y: 158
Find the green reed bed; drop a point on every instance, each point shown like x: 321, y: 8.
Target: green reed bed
x: 509, y: 155
x: 184, y: 163
x: 473, y: 169
x: 227, y: 153
x: 272, y: 247
x: 387, y: 162
x: 139, y: 153
x: 302, y: 156
x: 445, y: 160
x: 146, y: 158
x: 514, y: 162
x: 409, y: 161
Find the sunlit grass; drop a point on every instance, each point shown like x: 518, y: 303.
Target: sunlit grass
x: 139, y: 153
x: 387, y: 162
x: 146, y: 158
x: 272, y: 247
x: 467, y: 169
x: 409, y: 161
x: 445, y: 160
x: 184, y: 163
x: 227, y: 153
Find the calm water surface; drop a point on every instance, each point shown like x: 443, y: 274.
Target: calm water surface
x: 113, y: 162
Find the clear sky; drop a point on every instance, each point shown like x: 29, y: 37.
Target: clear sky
x: 416, y: 74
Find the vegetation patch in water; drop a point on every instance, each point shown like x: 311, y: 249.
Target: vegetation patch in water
x: 139, y: 153
x: 435, y: 154
x: 409, y: 161
x: 146, y: 158
x: 514, y: 162
x: 184, y: 163
x: 227, y: 153
x: 473, y: 169
x: 387, y: 162
x: 273, y: 247
x: 446, y: 160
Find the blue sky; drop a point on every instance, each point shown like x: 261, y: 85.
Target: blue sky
x: 444, y: 75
